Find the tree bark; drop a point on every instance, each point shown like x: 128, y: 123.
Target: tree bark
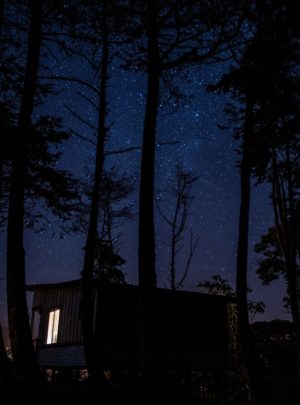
x: 146, y: 250
x: 242, y: 253
x: 251, y: 385
x: 88, y: 294
x: 254, y: 385
x: 19, y: 329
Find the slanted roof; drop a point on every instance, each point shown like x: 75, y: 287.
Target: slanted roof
x: 128, y: 287
x: 62, y: 284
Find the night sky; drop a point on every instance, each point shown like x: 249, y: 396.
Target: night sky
x: 202, y: 147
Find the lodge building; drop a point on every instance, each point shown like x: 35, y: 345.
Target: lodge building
x: 193, y: 327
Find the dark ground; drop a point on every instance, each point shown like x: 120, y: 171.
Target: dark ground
x: 84, y: 393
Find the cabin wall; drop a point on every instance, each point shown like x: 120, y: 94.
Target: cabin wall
x: 192, y: 329
x: 68, y: 301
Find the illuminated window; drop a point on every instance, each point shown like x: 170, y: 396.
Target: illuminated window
x: 53, y: 326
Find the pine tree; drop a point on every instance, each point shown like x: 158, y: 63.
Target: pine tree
x: 20, y: 334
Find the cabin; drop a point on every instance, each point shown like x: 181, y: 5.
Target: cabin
x: 193, y: 327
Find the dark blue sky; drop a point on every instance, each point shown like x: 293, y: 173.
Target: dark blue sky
x: 202, y: 147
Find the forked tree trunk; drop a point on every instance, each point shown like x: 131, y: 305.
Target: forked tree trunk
x: 19, y: 328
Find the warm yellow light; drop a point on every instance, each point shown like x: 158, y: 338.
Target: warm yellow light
x: 53, y: 326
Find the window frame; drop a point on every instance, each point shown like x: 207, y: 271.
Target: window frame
x: 52, y: 338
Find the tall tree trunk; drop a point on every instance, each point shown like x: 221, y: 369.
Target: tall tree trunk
x: 244, y: 332
x: 1, y: 126
x: 5, y: 366
x: 287, y: 214
x: 242, y: 253
x: 146, y: 250
x: 173, y: 247
x: 284, y: 211
x: 254, y: 387
x: 292, y: 277
x: 19, y: 329
x: 172, y: 264
x: 1, y: 173
x: 1, y: 18
x: 88, y: 293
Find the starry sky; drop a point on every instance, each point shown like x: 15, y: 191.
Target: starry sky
x: 202, y: 147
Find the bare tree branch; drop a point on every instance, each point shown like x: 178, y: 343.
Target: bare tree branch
x: 71, y: 79
x: 84, y: 138
x: 177, y: 221
x: 134, y: 148
x: 79, y: 118
x: 193, y: 247
x: 88, y: 99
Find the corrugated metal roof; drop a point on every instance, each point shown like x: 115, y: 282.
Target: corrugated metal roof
x: 62, y: 356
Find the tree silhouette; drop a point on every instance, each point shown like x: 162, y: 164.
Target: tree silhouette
x: 256, y: 85
x: 114, y: 204
x: 47, y: 188
x: 108, y: 264
x: 220, y: 286
x: 114, y: 207
x: 175, y: 35
x: 31, y: 179
x: 176, y: 38
x: 181, y: 193
x: 7, y: 65
x: 272, y: 263
x: 277, y: 161
x: 98, y: 27
x: 91, y: 242
x: 20, y: 334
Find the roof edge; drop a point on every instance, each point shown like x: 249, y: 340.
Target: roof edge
x: 77, y: 282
